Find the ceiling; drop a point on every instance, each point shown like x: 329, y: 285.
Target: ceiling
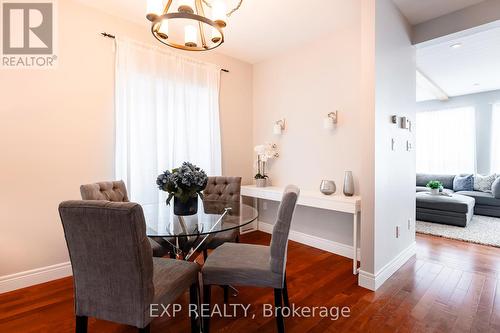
x: 418, y: 11
x: 261, y: 28
x: 474, y: 67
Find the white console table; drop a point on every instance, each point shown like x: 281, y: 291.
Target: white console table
x: 316, y: 199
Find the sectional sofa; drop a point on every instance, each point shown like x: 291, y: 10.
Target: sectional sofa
x: 457, y: 209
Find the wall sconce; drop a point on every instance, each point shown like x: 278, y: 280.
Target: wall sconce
x: 330, y: 120
x: 279, y: 127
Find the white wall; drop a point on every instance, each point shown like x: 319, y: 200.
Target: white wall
x: 57, y: 132
x: 304, y: 85
x: 394, y: 169
x: 483, y: 104
x: 388, y: 88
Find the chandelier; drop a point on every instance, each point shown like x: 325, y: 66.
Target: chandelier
x: 193, y: 30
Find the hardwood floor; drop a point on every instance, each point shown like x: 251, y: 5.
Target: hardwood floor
x: 450, y: 286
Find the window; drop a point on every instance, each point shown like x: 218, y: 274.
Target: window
x: 495, y: 139
x: 167, y: 112
x: 446, y: 141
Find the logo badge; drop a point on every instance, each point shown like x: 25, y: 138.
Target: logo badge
x: 28, y: 34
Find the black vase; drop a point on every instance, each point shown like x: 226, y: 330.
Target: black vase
x: 189, y: 207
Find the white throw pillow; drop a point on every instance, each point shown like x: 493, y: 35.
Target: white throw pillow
x: 483, y: 183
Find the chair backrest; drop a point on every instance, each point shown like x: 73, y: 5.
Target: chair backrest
x: 111, y: 259
x: 223, y: 189
x: 281, y: 229
x: 115, y: 191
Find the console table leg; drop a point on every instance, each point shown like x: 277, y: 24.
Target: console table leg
x: 355, y: 243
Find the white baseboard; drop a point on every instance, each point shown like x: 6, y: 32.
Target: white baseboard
x: 317, y: 242
x: 34, y: 276
x: 374, y: 281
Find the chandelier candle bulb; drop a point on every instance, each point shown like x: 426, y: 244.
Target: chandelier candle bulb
x: 190, y: 36
x: 154, y: 8
x: 219, y: 13
x: 215, y: 37
x: 163, y: 30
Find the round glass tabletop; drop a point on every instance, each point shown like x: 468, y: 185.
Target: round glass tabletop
x: 212, y: 217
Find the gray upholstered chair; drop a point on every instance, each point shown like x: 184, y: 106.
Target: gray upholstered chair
x: 255, y: 265
x: 225, y: 189
x: 116, y: 282
x: 116, y: 191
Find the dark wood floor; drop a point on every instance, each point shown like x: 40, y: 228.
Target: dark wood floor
x: 450, y: 286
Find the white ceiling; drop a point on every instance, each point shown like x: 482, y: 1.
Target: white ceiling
x: 261, y: 28
x: 418, y: 11
x: 472, y: 68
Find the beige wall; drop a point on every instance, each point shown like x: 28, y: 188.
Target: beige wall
x: 57, y: 132
x: 303, y: 86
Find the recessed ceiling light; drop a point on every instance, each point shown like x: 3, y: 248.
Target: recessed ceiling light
x: 456, y: 46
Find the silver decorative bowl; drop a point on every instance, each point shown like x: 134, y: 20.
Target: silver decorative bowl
x: 327, y: 187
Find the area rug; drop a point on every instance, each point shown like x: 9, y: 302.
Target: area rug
x: 481, y: 230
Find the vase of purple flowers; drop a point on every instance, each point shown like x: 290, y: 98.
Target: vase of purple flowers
x: 184, y: 184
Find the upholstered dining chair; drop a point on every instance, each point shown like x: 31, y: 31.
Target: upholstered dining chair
x: 115, y: 282
x: 116, y: 191
x: 255, y: 265
x: 225, y: 189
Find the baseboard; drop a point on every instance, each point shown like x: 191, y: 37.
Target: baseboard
x: 374, y: 281
x: 34, y: 276
x: 313, y: 241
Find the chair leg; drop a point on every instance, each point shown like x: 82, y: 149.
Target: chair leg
x: 194, y: 299
x: 226, y: 294
x: 144, y: 329
x: 206, y: 300
x: 278, y: 297
x: 286, y: 300
x: 81, y: 324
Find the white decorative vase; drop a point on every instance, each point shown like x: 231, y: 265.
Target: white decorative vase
x: 434, y: 191
x: 261, y: 182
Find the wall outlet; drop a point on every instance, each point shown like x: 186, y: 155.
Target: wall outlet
x: 393, y: 144
x: 397, y: 231
x: 409, y: 224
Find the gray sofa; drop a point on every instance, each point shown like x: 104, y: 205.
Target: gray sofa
x: 453, y: 210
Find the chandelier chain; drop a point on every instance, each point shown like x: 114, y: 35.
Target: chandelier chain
x: 209, y: 5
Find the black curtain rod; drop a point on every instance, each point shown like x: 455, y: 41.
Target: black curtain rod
x: 105, y: 34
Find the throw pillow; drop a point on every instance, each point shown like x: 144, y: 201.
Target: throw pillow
x: 495, y: 188
x: 483, y: 183
x: 463, y: 183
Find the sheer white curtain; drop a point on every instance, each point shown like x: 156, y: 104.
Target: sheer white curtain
x: 495, y: 139
x: 167, y: 112
x: 446, y: 141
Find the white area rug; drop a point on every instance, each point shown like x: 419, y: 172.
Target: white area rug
x: 481, y: 230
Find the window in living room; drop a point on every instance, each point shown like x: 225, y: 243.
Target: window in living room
x: 495, y: 139
x: 446, y: 141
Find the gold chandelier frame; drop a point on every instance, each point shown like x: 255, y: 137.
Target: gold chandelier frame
x: 197, y: 15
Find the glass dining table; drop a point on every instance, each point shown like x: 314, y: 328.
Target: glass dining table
x: 185, y: 235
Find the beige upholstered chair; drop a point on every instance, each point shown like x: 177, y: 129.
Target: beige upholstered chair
x: 115, y: 276
x: 115, y: 191
x: 255, y: 265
